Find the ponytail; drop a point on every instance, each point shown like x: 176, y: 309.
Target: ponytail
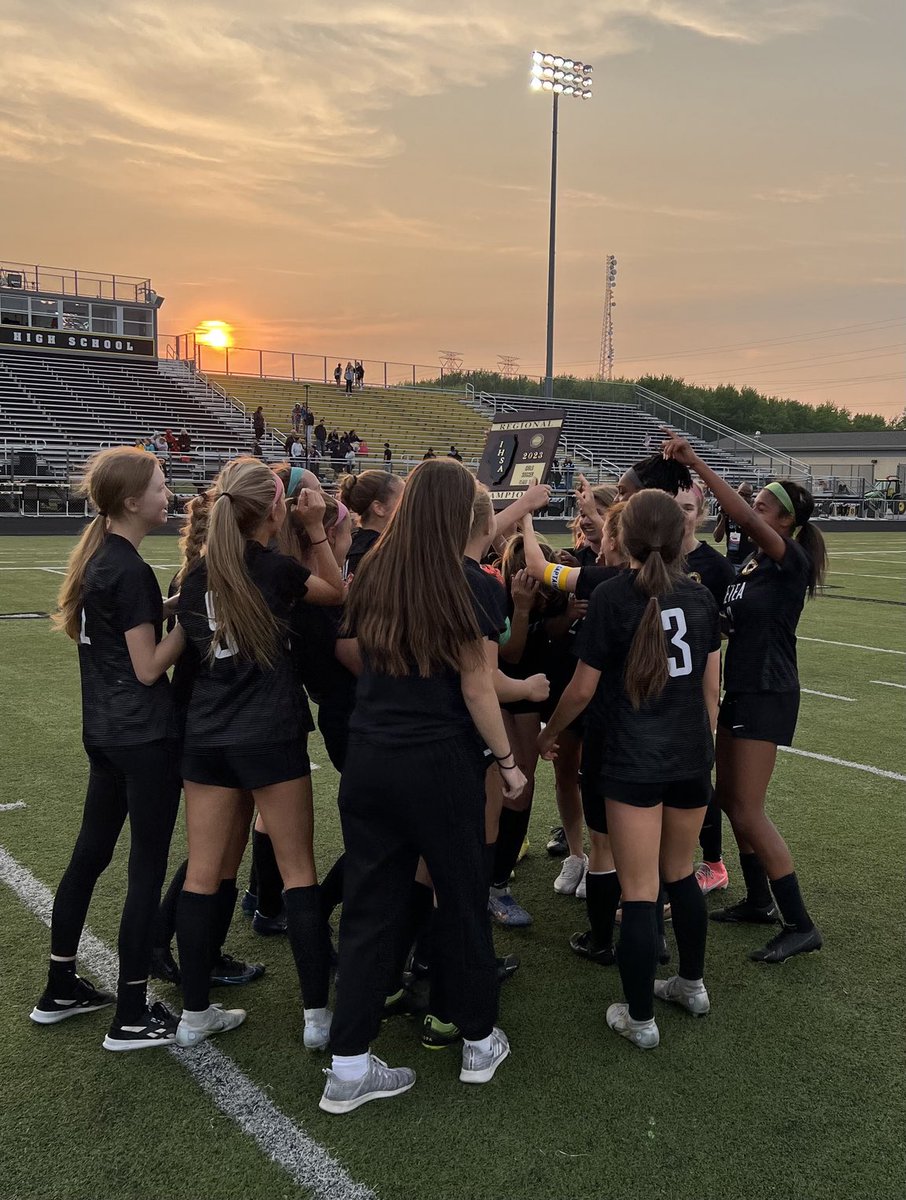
x: 808, y: 537
x: 69, y: 601
x: 193, y: 534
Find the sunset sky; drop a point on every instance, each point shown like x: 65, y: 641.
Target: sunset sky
x: 371, y: 179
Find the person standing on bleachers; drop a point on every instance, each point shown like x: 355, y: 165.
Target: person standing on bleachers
x: 184, y: 441
x: 295, y: 416
x: 338, y: 373
x: 308, y: 421
x: 320, y: 436
x: 258, y: 423
x: 359, y: 375
x: 349, y: 376
x: 388, y: 457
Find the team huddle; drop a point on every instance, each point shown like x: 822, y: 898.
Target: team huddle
x: 448, y: 650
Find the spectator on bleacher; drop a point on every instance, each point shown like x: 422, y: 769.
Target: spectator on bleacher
x: 308, y: 422
x: 320, y: 436
x: 359, y: 375
x: 353, y: 436
x: 349, y: 459
x: 184, y: 442
x: 297, y: 449
x: 556, y: 475
x: 338, y: 373
x: 295, y: 416
x: 289, y: 443
x: 160, y: 443
x: 454, y: 453
x: 388, y: 457
x: 429, y: 453
x: 349, y: 376
x: 362, y: 449
x: 258, y: 423
x: 170, y: 439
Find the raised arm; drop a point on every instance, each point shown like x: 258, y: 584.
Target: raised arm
x: 325, y: 586
x: 535, y: 497
x: 538, y: 566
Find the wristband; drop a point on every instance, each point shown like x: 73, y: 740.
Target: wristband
x: 320, y: 543
x: 509, y: 754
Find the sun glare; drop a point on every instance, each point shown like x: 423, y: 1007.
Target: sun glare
x: 216, y: 334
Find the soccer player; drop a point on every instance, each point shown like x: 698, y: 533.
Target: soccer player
x: 649, y: 667
x: 761, y: 701
x: 110, y: 605
x: 413, y: 783
x: 739, y: 544
x: 244, y: 731
x: 373, y: 497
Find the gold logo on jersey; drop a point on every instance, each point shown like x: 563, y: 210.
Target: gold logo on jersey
x: 694, y: 576
x: 750, y: 567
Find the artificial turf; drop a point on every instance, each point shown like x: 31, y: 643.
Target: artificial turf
x: 790, y: 1088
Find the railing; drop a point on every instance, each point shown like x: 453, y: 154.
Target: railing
x: 68, y: 281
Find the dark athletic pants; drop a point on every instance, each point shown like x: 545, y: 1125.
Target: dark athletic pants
x: 397, y: 803
x: 143, y: 783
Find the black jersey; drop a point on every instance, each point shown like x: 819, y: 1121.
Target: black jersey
x: 706, y: 566
x: 183, y: 673
x: 119, y: 593
x: 362, y: 541
x: 668, y: 737
x: 235, y: 702
x: 492, y: 599
x: 585, y: 556
x: 762, y: 607
x: 591, y: 577
x: 408, y: 709
x: 739, y: 544
x: 314, y: 633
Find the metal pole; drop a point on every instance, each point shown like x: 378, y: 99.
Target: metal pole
x: 551, y: 258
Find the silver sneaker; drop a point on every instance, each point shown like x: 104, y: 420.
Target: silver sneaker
x: 215, y: 1019
x: 645, y: 1036
x: 316, y: 1034
x: 679, y: 991
x: 572, y: 873
x: 478, y: 1067
x: 378, y: 1083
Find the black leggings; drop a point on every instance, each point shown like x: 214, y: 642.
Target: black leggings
x: 143, y: 783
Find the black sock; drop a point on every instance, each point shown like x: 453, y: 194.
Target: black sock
x: 223, y: 916
x: 195, y: 917
x: 510, y: 836
x: 61, y: 979
x: 131, y: 1001
x: 252, y: 888
x: 309, y: 940
x: 165, y: 925
x: 659, y: 912
x: 789, y: 901
x: 602, y: 899
x: 690, y: 925
x: 267, y: 875
x: 711, y: 838
x: 758, y: 891
x: 332, y: 886
x: 490, y: 856
x: 637, y: 957
x: 415, y: 926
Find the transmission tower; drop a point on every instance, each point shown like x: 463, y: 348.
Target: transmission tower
x: 605, y: 366
x: 507, y: 365
x: 450, y: 360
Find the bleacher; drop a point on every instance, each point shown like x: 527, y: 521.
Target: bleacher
x: 64, y: 408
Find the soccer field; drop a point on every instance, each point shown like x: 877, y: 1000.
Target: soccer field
x: 791, y: 1088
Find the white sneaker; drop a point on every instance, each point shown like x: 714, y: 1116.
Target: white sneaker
x: 316, y: 1034
x: 571, y: 875
x: 643, y: 1034
x: 479, y: 1066
x: 378, y: 1083
x: 692, y: 997
x: 581, y: 891
x: 195, y: 1027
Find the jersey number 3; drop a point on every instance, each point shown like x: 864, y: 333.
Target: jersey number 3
x: 679, y: 659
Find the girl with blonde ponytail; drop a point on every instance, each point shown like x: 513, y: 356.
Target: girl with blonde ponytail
x: 649, y: 665
x: 110, y: 605
x: 244, y: 730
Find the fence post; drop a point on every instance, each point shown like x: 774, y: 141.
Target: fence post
x: 325, y: 368
x: 260, y: 364
x: 385, y: 374
x: 292, y: 365
x: 413, y: 374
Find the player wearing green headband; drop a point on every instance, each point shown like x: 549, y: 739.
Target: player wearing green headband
x: 761, y: 701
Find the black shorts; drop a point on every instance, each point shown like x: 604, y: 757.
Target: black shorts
x: 672, y: 793
x: 245, y: 767
x: 760, y: 716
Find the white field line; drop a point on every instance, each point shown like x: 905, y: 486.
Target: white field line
x: 852, y: 646
x: 12, y: 807
x: 842, y: 762
x: 887, y: 683
x: 306, y: 1162
x: 828, y: 695
x: 864, y: 575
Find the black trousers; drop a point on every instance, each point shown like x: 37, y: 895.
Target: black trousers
x: 143, y: 783
x: 397, y: 803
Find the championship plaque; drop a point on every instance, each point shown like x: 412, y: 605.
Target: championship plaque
x: 520, y: 451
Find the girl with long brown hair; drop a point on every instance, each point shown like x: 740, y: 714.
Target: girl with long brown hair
x: 762, y: 608
x: 413, y: 783
x: 244, y: 731
x: 110, y: 605
x: 649, y: 669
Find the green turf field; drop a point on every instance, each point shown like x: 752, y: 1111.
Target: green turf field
x: 791, y: 1088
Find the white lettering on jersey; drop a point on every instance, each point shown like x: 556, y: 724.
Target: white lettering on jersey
x: 83, y: 635
x: 734, y: 592
x: 222, y: 650
x: 674, y: 622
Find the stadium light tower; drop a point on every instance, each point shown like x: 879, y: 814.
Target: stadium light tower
x: 561, y: 77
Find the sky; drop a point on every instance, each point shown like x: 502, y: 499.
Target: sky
x: 371, y: 179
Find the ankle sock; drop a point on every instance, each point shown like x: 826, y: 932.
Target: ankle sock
x: 789, y: 901
x: 637, y: 957
x: 510, y: 836
x: 349, y: 1067
x: 758, y: 891
x: 195, y: 917
x: 482, y: 1045
x: 602, y: 898
x: 690, y: 925
x: 309, y: 941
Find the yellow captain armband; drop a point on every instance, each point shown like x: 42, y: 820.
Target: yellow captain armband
x: 548, y: 576
x: 557, y: 576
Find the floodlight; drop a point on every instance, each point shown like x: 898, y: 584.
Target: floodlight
x: 547, y: 85
x: 568, y: 63
x: 537, y: 71
x: 536, y: 85
x: 537, y: 56
x: 568, y: 90
x: 548, y: 59
x: 558, y: 61
x: 586, y: 95
x: 558, y: 87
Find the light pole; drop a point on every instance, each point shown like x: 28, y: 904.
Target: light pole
x: 561, y: 77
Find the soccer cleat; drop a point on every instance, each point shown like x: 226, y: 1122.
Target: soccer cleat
x: 788, y: 943
x: 437, y: 1034
x: 156, y: 1027
x: 584, y: 945
x: 269, y: 926
x: 248, y: 903
x: 164, y: 966
x: 85, y: 998
x: 316, y: 1034
x: 378, y: 1083
x: 478, y: 1066
x: 693, y: 998
x: 643, y: 1034
x: 524, y: 849
x: 712, y: 877
x: 506, y: 911
x: 228, y: 971
x: 745, y: 913
x: 506, y: 966
x: 193, y: 1030
x: 571, y: 875
x: 556, y: 845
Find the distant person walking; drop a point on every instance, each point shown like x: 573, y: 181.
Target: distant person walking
x: 388, y: 457
x: 349, y: 376
x: 338, y: 373
x: 258, y: 423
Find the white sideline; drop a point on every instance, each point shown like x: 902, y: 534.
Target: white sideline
x: 842, y: 762
x: 829, y: 695
x: 887, y: 683
x: 12, y: 807
x: 306, y: 1162
x: 853, y: 646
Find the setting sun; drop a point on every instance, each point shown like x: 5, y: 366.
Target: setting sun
x: 216, y: 334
